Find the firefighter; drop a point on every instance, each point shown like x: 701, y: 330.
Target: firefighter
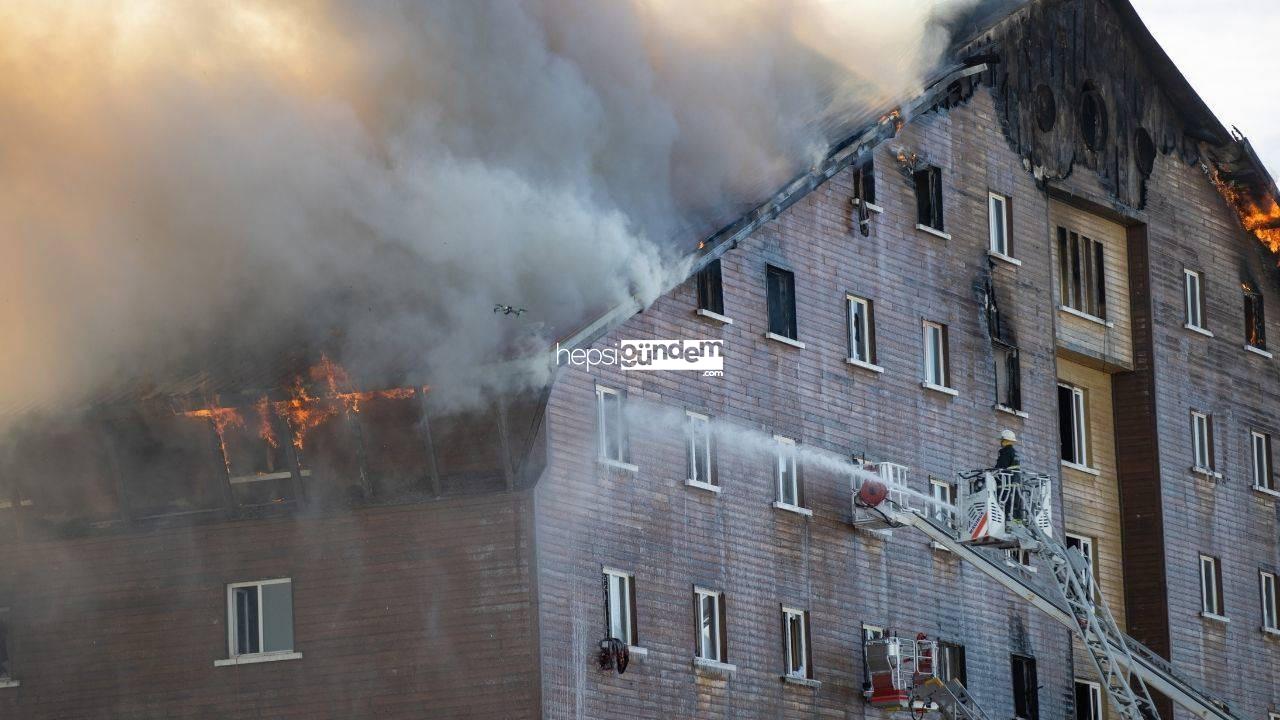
x: 1008, y: 462
x: 1008, y: 457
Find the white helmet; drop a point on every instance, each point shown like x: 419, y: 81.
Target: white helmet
x: 1008, y: 436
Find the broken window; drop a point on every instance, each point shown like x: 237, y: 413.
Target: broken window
x: 1084, y: 545
x: 1008, y: 376
x: 999, y: 222
x: 467, y: 448
x: 260, y: 617
x: 395, y: 445
x: 786, y: 473
x: 611, y: 424
x: 170, y: 464
x: 937, y: 372
x: 951, y: 664
x: 1202, y: 441
x: 1073, y: 425
x: 1088, y: 700
x: 862, y: 324
x: 781, y: 286
x: 864, y: 183
x: 1211, y: 587
x: 1193, y: 296
x: 257, y: 455
x: 929, y: 197
x: 1270, y: 606
x: 1081, y: 274
x: 795, y: 642
x: 700, y: 454
x: 1026, y: 688
x: 1255, y: 326
x: 1260, y: 446
x: 709, y: 606
x: 710, y: 289
x: 620, y: 605
x: 1018, y: 556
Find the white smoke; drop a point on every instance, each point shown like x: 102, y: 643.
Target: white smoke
x: 210, y: 186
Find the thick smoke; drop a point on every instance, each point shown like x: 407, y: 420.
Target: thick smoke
x: 211, y: 187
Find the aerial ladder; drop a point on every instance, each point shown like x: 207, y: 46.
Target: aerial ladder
x: 1011, y: 509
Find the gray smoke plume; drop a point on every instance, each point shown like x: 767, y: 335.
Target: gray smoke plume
x: 205, y: 189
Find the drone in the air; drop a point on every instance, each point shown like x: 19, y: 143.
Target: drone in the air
x: 508, y: 310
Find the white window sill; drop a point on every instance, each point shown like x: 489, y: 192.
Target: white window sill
x: 1081, y: 468
x: 618, y: 465
x: 703, y: 312
x: 939, y: 547
x: 258, y: 658
x: 260, y: 477
x: 792, y: 508
x: 1258, y: 351
x: 1215, y: 618
x: 703, y: 486
x: 864, y: 365
x: 1266, y: 491
x: 1197, y: 329
x: 637, y: 653
x: 1011, y: 411
x: 940, y: 388
x: 1206, y: 472
x: 801, y: 681
x: 1273, y: 632
x: 1086, y: 316
x: 871, y: 207
x: 714, y: 668
x: 1004, y: 258
x: 785, y: 340
x: 8, y: 683
x: 933, y: 231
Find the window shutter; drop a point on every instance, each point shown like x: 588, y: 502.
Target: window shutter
x: 799, y: 477
x: 608, y: 613
x: 1208, y: 429
x: 711, y: 453
x: 808, y: 647
x: 1217, y: 590
x: 1008, y: 227
x: 871, y: 331
x: 697, y: 623
x: 724, y: 635
x: 631, y: 599
x: 935, y: 174
x: 923, y: 197
x: 1100, y: 271
x: 786, y: 640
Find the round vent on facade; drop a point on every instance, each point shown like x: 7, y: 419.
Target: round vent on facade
x: 1144, y: 151
x: 1093, y: 118
x: 1046, y: 108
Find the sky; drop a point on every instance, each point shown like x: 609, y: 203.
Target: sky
x: 1228, y: 51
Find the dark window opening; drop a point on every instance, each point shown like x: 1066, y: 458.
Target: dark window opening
x: 710, y: 290
x: 1255, y: 326
x: 1082, y: 283
x: 782, y: 302
x: 1088, y: 701
x: 1144, y: 152
x: 1026, y: 688
x: 1008, y: 376
x: 1046, y: 108
x: 929, y: 197
x: 246, y: 605
x: 1093, y: 118
x: 864, y: 182
x: 6, y: 668
x: 951, y: 664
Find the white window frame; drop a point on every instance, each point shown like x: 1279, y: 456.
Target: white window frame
x: 1095, y: 699
x: 698, y: 427
x: 1193, y: 298
x: 1210, y: 592
x: 236, y: 658
x: 796, y: 667
x: 998, y: 207
x: 611, y: 438
x: 942, y: 492
x: 860, y: 327
x: 709, y: 646
x: 1080, y: 426
x: 1260, y: 460
x: 620, y: 588
x: 1087, y: 547
x: 936, y: 371
x: 1020, y: 557
x: 1201, y: 453
x: 1269, y: 601
x: 786, y: 471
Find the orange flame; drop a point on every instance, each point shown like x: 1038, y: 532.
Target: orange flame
x: 303, y: 411
x: 265, y: 431
x: 1260, y: 217
x: 222, y: 418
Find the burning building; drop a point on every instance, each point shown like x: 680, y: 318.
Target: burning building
x: 1054, y: 237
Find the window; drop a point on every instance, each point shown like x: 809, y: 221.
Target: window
x: 864, y: 182
x: 1211, y: 586
x: 1008, y: 376
x: 260, y: 617
x: 795, y: 639
x: 1202, y: 441
x: 1194, y: 299
x: 1073, y: 425
x: 781, y: 285
x: 944, y: 495
x: 929, y: 198
x: 1260, y: 444
x: 698, y: 442
x: 612, y: 425
x: 951, y: 664
x: 711, y: 625
x: 1026, y: 689
x: 620, y: 605
x: 1255, y: 326
x: 1270, y: 605
x: 1088, y: 700
x: 1018, y: 555
x: 785, y: 472
x: 936, y: 370
x: 999, y: 216
x: 862, y: 324
x: 869, y: 633
x: 6, y: 665
x: 1082, y: 284
x: 1085, y: 546
x: 710, y: 290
